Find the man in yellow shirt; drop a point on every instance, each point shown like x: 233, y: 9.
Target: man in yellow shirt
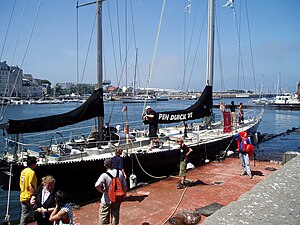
x: 28, y: 186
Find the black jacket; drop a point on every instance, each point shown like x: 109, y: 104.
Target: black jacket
x: 49, y: 203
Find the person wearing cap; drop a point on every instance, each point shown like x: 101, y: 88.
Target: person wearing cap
x: 109, y: 212
x: 151, y: 118
x: 28, y: 186
x: 242, y: 142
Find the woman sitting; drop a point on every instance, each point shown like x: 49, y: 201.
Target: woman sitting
x: 63, y: 212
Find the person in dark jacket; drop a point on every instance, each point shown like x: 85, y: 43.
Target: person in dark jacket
x: 184, y: 153
x: 151, y: 118
x: 44, y: 201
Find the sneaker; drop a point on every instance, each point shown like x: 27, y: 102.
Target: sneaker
x: 179, y: 186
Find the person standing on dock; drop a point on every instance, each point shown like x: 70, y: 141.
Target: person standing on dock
x: 232, y: 110
x: 151, y: 118
x: 44, y: 201
x: 241, y: 113
x: 28, y: 186
x: 242, y: 142
x: 109, y: 212
x: 185, y: 151
x: 117, y: 161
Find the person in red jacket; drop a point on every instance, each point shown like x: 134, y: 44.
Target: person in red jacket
x: 242, y: 147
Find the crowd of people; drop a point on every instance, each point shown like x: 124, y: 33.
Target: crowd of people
x: 43, y: 203
x: 48, y: 206
x: 232, y: 109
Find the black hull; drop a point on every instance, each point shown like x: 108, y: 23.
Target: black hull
x: 78, y: 178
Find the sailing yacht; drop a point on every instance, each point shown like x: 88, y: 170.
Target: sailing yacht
x: 138, y: 98
x: 77, y: 164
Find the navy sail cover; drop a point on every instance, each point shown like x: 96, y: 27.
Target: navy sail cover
x: 93, y: 107
x: 199, y: 109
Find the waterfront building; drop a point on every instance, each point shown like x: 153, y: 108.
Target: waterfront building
x: 10, y: 80
x: 32, y: 88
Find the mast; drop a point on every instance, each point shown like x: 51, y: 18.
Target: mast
x: 99, y: 62
x: 134, y: 79
x: 210, y: 43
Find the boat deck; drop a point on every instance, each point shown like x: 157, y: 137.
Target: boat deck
x: 153, y: 204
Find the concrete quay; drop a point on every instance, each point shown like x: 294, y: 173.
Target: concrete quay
x: 215, y: 182
x: 275, y: 200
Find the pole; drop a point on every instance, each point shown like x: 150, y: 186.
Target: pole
x: 210, y: 50
x: 7, y: 216
x: 99, y: 62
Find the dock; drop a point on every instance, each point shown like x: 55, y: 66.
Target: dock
x: 215, y: 182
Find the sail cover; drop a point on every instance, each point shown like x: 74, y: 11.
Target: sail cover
x: 93, y: 107
x: 198, y: 110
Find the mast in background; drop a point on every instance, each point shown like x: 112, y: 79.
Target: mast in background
x: 99, y: 63
x: 210, y: 50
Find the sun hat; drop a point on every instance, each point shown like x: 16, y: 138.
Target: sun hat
x: 148, y: 107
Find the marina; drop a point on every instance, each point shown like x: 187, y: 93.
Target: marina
x: 71, y: 138
x: 273, y: 122
x: 79, y: 157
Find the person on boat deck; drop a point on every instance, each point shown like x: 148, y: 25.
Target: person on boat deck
x: 117, y: 161
x: 241, y: 113
x: 185, y: 151
x: 242, y: 143
x: 109, y: 212
x: 151, y: 117
x: 222, y: 107
x: 28, y: 186
x: 43, y: 201
x: 232, y: 110
x: 63, y: 211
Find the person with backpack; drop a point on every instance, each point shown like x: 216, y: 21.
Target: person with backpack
x: 245, y: 150
x: 113, y: 186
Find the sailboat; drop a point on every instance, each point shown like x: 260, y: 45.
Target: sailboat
x: 134, y: 98
x: 76, y: 165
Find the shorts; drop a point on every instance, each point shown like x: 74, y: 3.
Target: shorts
x: 182, y: 166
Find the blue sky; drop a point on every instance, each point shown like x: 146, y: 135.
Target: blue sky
x: 274, y: 27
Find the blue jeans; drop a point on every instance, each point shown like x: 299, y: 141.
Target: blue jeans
x: 245, y: 162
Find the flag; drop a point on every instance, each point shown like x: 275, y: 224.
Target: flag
x: 188, y: 7
x: 124, y: 109
x: 229, y: 3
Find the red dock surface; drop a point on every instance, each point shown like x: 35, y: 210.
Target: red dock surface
x: 153, y: 204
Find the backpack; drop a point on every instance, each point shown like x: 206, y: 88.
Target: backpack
x: 116, y: 191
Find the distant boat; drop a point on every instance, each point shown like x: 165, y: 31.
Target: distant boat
x: 285, y: 101
x: 138, y: 98
x: 162, y: 98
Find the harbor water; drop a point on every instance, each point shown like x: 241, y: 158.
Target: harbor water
x: 273, y: 122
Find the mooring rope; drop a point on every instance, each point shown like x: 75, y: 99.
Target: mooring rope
x: 180, y: 200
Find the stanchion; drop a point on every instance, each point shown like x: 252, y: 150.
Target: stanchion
x: 6, y: 219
